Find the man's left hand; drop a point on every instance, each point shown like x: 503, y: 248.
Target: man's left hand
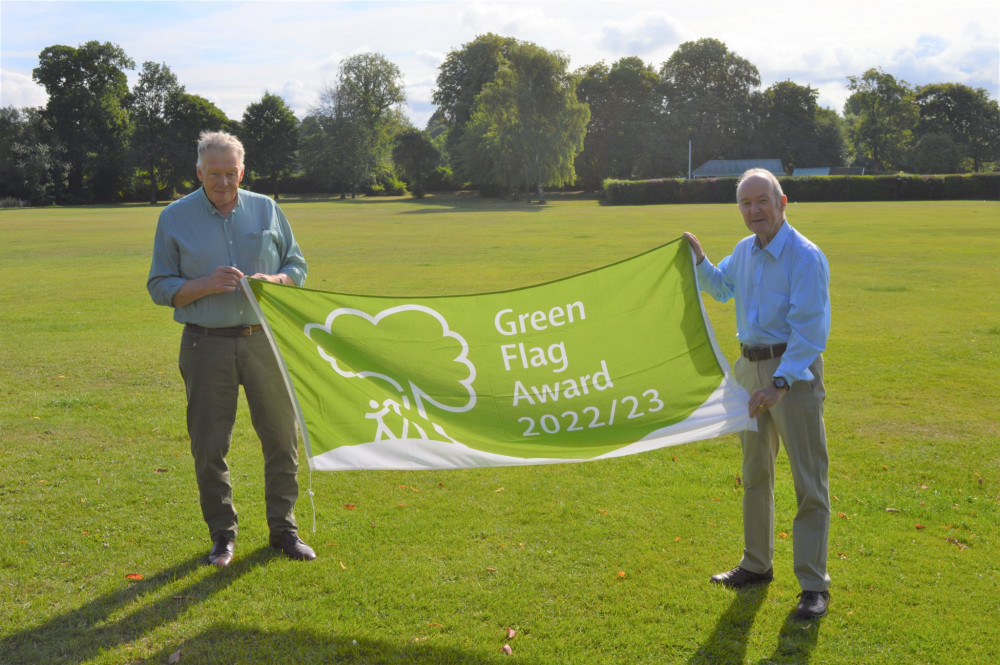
x: 763, y: 399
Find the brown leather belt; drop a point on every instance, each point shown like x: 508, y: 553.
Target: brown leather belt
x: 756, y: 353
x: 235, y: 331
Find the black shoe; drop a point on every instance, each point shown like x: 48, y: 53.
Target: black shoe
x: 293, y: 547
x: 222, y: 551
x: 738, y: 577
x: 812, y: 604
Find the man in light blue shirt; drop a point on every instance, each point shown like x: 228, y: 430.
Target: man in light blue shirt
x: 780, y: 282
x: 205, y: 243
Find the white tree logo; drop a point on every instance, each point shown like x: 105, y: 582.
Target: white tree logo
x: 392, y: 346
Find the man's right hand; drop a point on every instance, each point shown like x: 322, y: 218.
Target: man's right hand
x: 224, y: 279
x: 699, y: 253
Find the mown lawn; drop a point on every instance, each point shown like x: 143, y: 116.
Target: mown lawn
x: 96, y: 483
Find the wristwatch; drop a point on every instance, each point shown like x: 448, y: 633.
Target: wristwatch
x: 780, y: 383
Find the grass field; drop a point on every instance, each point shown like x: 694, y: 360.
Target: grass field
x: 96, y: 482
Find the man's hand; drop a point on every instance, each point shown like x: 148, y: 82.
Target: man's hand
x: 280, y: 278
x: 225, y: 279
x: 763, y: 399
x: 699, y: 253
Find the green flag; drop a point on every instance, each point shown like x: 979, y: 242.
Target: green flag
x: 614, y: 361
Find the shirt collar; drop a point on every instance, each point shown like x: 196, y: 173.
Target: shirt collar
x: 210, y: 207
x: 777, y: 242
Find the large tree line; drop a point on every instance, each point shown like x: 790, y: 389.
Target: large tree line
x: 510, y: 118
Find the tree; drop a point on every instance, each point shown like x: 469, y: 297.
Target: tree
x: 527, y: 126
x: 625, y: 107
x: 881, y: 113
x: 416, y: 156
x: 462, y: 76
x: 792, y: 127
x: 270, y: 134
x: 87, y: 109
x: 965, y: 115
x: 149, y: 145
x: 30, y: 167
x: 187, y: 117
x: 360, y: 117
x: 708, y: 92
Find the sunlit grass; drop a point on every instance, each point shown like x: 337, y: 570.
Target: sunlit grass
x: 96, y: 481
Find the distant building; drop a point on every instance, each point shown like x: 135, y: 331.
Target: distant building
x: 723, y: 168
x: 828, y: 170
x: 811, y: 171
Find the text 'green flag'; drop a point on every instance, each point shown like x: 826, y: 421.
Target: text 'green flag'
x: 614, y: 361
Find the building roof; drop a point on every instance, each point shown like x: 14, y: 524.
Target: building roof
x: 721, y: 168
x: 810, y: 171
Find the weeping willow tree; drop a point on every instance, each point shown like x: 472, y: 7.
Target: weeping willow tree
x: 527, y: 125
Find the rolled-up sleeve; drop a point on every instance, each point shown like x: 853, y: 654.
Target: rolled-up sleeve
x: 293, y: 263
x: 164, y: 274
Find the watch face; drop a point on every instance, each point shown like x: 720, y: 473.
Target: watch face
x: 780, y: 383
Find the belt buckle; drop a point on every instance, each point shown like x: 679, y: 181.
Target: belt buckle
x: 246, y: 330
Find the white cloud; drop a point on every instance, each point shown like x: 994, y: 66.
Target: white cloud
x: 19, y: 90
x: 643, y: 34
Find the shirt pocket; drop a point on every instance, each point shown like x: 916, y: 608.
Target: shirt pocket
x: 263, y: 245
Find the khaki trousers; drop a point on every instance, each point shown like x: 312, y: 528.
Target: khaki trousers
x: 213, y: 369
x: 797, y: 420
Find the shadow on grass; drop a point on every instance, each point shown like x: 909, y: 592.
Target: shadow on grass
x: 796, y: 642
x: 127, y: 615
x: 224, y: 644
x: 121, y: 617
x: 728, y: 642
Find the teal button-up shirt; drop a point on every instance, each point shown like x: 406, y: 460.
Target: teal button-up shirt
x: 193, y: 239
x: 782, y: 295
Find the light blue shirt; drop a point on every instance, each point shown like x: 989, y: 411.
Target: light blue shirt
x: 782, y: 295
x: 193, y: 239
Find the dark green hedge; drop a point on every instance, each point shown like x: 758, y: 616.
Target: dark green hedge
x: 983, y: 186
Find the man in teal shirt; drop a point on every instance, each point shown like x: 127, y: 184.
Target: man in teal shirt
x: 780, y: 282
x: 205, y: 243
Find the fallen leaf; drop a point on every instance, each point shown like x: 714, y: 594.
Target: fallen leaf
x: 134, y: 576
x: 416, y: 490
x: 677, y: 539
x: 717, y: 499
x: 491, y: 570
x: 603, y: 512
x: 175, y: 657
x: 350, y: 506
x: 924, y: 487
x: 161, y: 470
x: 842, y: 516
x: 435, y: 624
x: 783, y: 535
x: 511, y: 633
x: 842, y: 556
x: 892, y: 510
x: 342, y: 565
x: 621, y: 574
x: 499, y: 489
x: 506, y: 649
x: 960, y: 544
x: 739, y: 481
x: 920, y: 526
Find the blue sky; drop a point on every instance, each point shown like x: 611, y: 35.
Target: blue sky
x: 232, y: 52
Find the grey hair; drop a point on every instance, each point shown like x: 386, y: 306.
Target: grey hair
x: 767, y: 175
x: 220, y: 141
